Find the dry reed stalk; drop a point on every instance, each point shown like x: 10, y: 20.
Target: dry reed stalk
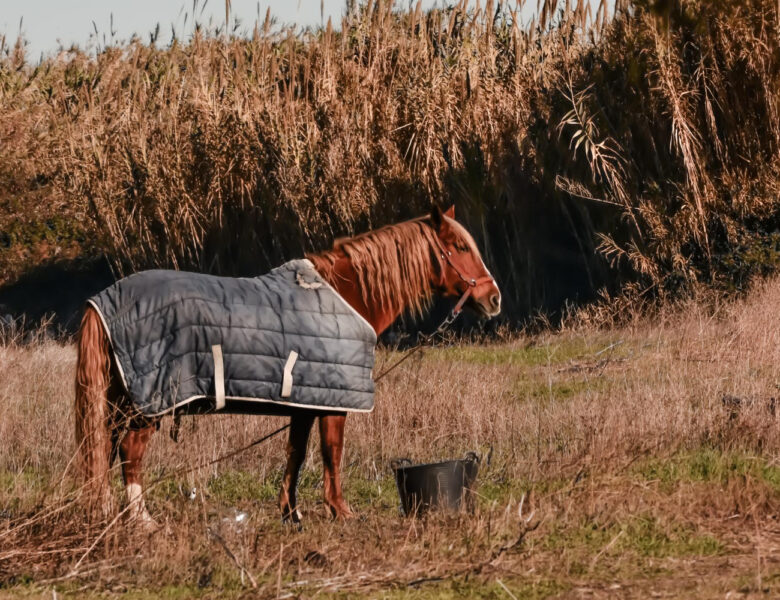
x: 229, y: 155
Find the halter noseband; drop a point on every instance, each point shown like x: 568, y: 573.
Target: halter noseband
x: 471, y: 283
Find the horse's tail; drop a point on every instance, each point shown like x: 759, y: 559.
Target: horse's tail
x: 93, y: 438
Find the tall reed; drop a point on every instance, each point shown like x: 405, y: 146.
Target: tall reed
x: 637, y: 145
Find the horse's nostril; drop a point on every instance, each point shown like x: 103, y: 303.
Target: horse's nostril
x: 495, y: 300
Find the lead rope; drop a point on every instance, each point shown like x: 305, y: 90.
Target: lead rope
x: 185, y: 470
x: 471, y: 284
x: 426, y: 340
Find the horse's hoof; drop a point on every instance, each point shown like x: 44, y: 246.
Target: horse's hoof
x: 143, y: 522
x: 291, y: 525
x: 292, y: 517
x: 341, y: 512
x: 149, y: 525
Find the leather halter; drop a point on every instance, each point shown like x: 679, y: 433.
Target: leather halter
x: 471, y: 283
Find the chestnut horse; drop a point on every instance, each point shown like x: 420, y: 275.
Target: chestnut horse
x: 382, y: 274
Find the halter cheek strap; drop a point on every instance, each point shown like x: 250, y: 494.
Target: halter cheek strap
x: 471, y: 283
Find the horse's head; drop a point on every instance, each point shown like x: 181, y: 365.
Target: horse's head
x: 461, y: 266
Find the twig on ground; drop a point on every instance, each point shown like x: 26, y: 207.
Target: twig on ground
x: 506, y: 589
x: 232, y: 556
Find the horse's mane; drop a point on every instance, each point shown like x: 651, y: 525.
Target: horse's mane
x: 393, y: 265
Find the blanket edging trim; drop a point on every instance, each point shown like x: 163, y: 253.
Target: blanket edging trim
x: 340, y: 297
x: 110, y: 342
x: 172, y: 409
x: 350, y: 307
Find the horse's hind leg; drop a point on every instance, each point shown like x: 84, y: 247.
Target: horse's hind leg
x: 300, y: 427
x: 332, y: 441
x: 131, y: 452
x: 118, y: 407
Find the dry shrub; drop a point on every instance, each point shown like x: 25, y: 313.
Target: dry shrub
x: 652, y: 136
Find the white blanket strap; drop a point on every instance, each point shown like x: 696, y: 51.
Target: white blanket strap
x: 219, y: 377
x: 287, y: 379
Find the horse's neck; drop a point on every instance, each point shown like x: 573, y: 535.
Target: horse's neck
x: 343, y: 278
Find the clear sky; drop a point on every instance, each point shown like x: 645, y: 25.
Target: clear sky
x: 47, y: 24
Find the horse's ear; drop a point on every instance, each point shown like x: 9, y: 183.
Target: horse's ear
x: 450, y: 212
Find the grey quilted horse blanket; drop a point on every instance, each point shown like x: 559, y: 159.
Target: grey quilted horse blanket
x: 286, y: 337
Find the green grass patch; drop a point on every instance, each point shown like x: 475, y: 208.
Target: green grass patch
x: 560, y: 350
x: 232, y: 487
x: 647, y: 537
x: 709, y: 465
x: 465, y: 588
x: 445, y: 590
x: 558, y: 388
x: 643, y: 534
x: 367, y: 493
x: 22, y: 490
x: 166, y: 592
x: 494, y: 487
x: 499, y: 490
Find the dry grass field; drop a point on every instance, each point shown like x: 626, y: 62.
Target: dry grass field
x: 626, y: 453
x: 633, y: 462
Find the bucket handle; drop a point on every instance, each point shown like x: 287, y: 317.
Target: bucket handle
x: 399, y: 463
x: 474, y: 457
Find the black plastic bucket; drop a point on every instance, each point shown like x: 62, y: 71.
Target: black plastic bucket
x: 445, y: 484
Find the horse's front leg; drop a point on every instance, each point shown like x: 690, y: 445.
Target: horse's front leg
x: 131, y: 452
x: 332, y: 440
x: 300, y: 427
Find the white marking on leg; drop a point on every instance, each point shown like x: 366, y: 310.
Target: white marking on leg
x: 134, y: 492
x: 135, y: 500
